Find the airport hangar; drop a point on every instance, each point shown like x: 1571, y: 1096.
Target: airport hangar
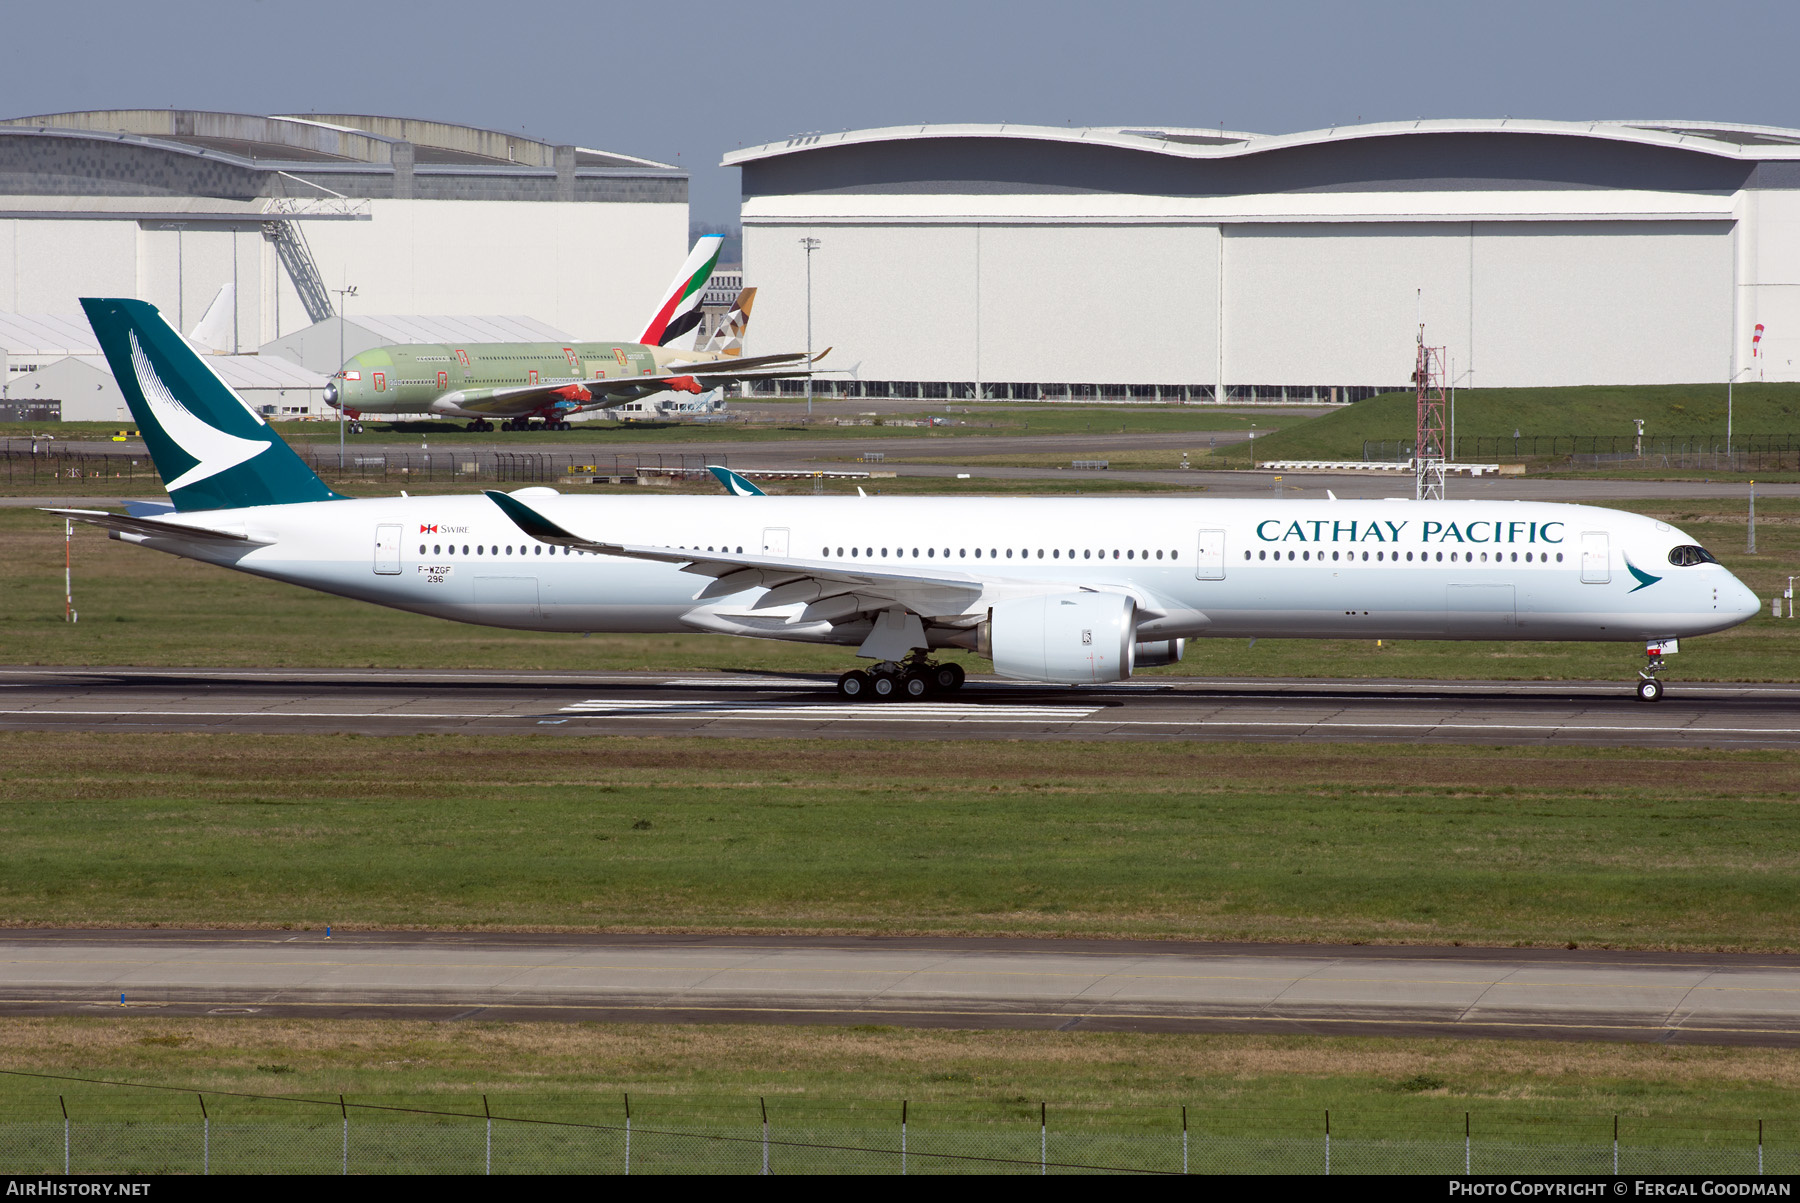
x: 422, y: 217
x: 1159, y: 263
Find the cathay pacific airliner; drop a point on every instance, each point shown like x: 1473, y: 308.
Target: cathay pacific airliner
x: 1066, y: 590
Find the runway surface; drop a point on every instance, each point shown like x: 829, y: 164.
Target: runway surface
x: 406, y: 702
x: 966, y: 983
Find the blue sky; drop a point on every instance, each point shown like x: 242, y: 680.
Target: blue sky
x: 687, y: 82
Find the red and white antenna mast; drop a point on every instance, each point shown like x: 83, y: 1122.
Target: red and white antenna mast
x: 1429, y: 450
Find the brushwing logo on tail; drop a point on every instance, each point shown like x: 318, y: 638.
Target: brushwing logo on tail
x: 212, y: 449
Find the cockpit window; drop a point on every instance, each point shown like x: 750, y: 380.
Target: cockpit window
x: 1688, y: 555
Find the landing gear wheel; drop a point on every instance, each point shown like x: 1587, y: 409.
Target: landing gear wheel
x: 1649, y: 689
x: 915, y: 686
x: 947, y: 678
x: 884, y: 686
x: 853, y: 686
x: 356, y: 428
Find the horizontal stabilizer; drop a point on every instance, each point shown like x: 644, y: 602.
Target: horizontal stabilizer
x: 157, y: 528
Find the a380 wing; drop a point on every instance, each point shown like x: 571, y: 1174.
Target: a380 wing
x: 529, y: 398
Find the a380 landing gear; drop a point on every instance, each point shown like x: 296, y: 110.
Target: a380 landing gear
x: 918, y: 678
x: 1649, y: 688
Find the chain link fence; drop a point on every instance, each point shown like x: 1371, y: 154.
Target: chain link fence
x: 23, y: 463
x: 1749, y: 452
x: 121, y: 1128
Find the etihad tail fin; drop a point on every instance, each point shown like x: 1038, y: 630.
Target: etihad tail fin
x: 728, y: 339
x: 679, y: 311
x: 212, y: 450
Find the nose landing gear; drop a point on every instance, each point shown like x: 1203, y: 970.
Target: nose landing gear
x: 1649, y: 688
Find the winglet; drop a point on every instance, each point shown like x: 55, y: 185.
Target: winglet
x: 734, y: 484
x: 530, y: 521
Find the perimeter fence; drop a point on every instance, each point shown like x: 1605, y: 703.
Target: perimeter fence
x: 23, y: 463
x: 1748, y: 453
x: 121, y: 1128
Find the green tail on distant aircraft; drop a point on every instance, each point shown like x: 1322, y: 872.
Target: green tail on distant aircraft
x: 213, y: 451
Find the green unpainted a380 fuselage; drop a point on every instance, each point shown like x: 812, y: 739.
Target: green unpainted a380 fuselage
x: 511, y: 380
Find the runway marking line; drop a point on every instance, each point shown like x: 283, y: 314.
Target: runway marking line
x: 905, y: 712
x: 954, y: 710
x: 992, y: 1014
x: 1096, y: 975
x: 1299, y: 951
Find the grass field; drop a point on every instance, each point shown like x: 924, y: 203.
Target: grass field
x: 1697, y: 409
x: 950, y: 1079
x: 969, y: 419
x: 351, y: 483
x: 1380, y: 844
x: 142, y: 607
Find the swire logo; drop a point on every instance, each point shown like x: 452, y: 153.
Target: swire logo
x: 426, y: 528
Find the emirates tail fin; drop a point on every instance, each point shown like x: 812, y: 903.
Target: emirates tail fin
x: 679, y: 311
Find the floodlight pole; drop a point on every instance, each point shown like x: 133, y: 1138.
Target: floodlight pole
x: 1728, y: 384
x: 811, y: 245
x: 349, y: 290
x: 1450, y: 449
x: 69, y: 570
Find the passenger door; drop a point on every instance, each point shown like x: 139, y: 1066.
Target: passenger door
x: 1209, y: 564
x: 1596, y: 558
x: 387, y: 549
x: 775, y: 541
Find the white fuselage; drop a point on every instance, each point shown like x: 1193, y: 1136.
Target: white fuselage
x: 1305, y: 569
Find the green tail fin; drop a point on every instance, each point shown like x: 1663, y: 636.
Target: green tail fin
x: 734, y: 484
x: 213, y: 451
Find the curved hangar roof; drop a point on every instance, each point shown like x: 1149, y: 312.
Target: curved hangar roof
x: 1412, y: 156
x: 241, y: 156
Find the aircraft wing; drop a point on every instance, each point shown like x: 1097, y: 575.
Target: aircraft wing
x: 831, y: 591
x: 726, y: 367
x: 573, y: 394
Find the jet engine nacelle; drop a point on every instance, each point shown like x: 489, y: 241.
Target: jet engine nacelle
x: 1065, y: 638
x: 1157, y: 652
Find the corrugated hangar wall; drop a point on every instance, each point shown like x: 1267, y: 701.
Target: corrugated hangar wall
x: 596, y: 270
x: 1520, y: 303
x: 1541, y: 253
x: 1323, y: 304
x: 170, y: 205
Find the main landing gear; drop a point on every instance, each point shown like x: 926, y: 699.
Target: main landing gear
x: 1649, y: 689
x: 480, y: 426
x: 916, y: 679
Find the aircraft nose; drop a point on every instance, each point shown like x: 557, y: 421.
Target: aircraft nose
x: 1745, y: 604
